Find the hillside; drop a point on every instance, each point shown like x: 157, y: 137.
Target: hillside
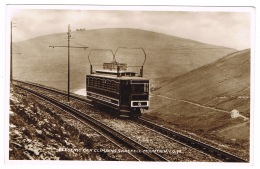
x: 224, y: 84
x: 200, y: 101
x: 167, y: 56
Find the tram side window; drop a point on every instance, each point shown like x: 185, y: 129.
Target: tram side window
x: 113, y: 86
x: 90, y: 81
x: 108, y: 85
x: 95, y: 83
x: 103, y: 84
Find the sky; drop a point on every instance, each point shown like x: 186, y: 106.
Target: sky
x: 225, y: 28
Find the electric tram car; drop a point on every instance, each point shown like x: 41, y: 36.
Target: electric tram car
x: 122, y: 91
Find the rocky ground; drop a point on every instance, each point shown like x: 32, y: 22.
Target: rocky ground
x: 42, y: 132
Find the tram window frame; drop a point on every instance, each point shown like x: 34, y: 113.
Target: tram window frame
x: 104, y: 84
x: 90, y: 81
x: 140, y: 88
x: 146, y: 87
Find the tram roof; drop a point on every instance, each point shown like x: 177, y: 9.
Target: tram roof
x: 113, y: 71
x: 113, y: 75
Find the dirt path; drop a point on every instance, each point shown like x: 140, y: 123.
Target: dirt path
x: 235, y: 126
x: 199, y: 105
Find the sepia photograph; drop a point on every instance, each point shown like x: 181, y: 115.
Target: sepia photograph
x: 130, y: 83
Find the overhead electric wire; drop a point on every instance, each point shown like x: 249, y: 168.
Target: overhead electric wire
x: 76, y: 43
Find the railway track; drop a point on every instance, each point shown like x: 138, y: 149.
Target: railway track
x: 208, y: 149
x: 137, y: 150
x: 205, y: 148
x: 74, y: 96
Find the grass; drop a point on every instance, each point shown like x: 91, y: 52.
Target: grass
x: 166, y: 55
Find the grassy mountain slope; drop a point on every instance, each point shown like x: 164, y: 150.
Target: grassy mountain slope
x: 224, y: 84
x: 200, y: 101
x: 167, y: 56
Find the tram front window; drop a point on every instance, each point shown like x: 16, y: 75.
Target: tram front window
x: 140, y: 88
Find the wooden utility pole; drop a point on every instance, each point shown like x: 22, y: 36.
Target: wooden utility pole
x: 11, y: 52
x: 69, y: 46
x: 69, y: 36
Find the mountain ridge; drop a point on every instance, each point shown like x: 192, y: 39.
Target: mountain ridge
x: 132, y: 29
x: 184, y: 55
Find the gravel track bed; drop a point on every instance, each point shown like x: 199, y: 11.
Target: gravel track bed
x: 152, y: 140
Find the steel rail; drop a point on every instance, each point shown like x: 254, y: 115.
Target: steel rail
x: 84, y: 99
x: 133, y: 146
x: 207, y: 149
x: 203, y: 147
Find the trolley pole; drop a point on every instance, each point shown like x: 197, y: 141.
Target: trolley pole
x: 69, y: 46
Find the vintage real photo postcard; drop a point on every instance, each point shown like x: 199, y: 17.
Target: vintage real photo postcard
x: 130, y: 83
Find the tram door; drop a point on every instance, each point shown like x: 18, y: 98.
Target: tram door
x: 125, y: 92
